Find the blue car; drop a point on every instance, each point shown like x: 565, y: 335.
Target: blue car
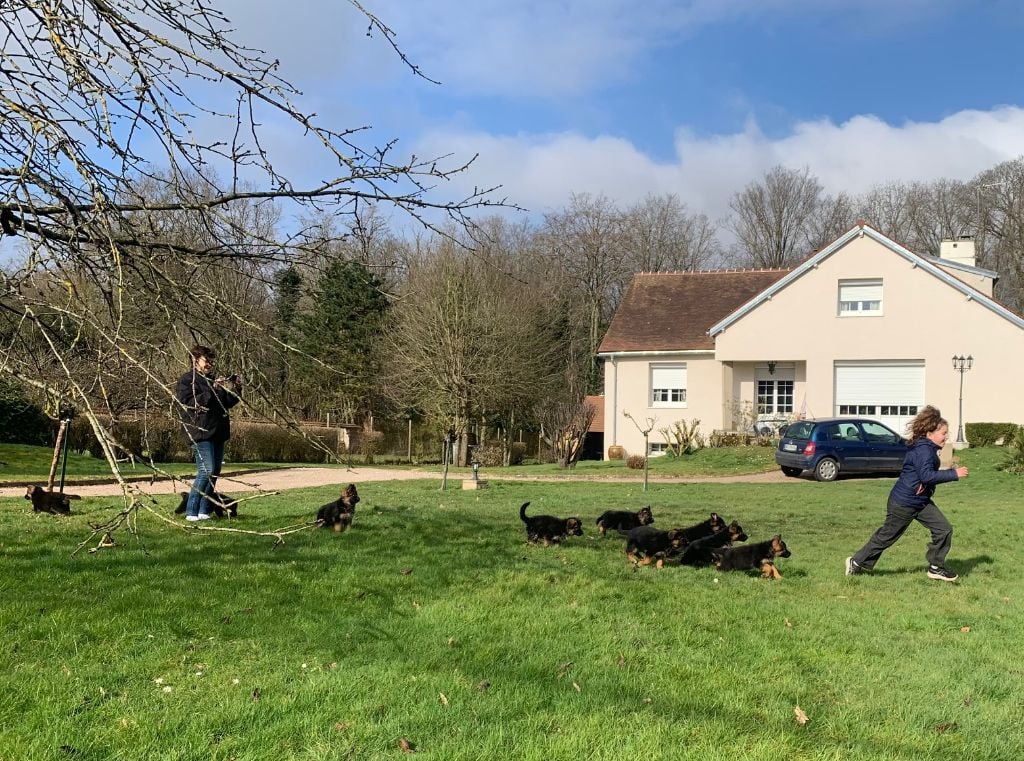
x: 832, y: 446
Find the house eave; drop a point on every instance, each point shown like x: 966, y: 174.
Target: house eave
x: 660, y: 353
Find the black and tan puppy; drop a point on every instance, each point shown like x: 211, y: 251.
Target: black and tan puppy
x: 220, y: 504
x: 712, y: 525
x: 700, y: 551
x: 759, y: 557
x: 339, y: 514
x: 646, y: 545
x: 56, y: 503
x: 547, y: 528
x: 624, y: 520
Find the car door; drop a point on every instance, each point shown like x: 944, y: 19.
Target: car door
x: 887, y: 448
x: 855, y: 448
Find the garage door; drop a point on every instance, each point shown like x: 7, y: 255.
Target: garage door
x: 891, y: 392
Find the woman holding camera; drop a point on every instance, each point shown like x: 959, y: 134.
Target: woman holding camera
x: 203, y: 404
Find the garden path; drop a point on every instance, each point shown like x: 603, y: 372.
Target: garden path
x: 298, y: 478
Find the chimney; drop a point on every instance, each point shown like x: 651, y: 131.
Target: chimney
x: 959, y: 250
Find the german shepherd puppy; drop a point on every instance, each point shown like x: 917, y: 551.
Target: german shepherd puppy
x: 548, y: 528
x: 339, y: 514
x: 55, y: 503
x: 712, y: 525
x: 624, y: 520
x: 760, y: 557
x: 220, y: 504
x: 646, y: 545
x: 700, y: 551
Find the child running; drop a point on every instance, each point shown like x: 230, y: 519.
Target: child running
x: 911, y: 500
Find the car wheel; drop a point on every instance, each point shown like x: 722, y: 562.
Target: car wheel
x: 827, y: 469
x: 791, y: 472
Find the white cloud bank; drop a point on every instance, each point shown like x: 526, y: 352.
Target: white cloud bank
x: 541, y: 171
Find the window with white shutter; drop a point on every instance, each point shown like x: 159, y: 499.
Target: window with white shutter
x: 668, y: 385
x: 860, y: 298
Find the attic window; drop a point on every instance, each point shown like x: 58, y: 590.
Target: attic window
x: 668, y: 385
x: 860, y: 298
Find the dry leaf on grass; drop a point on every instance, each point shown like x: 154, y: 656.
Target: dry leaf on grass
x: 965, y: 629
x: 576, y: 687
x: 342, y: 726
x: 406, y: 571
x: 949, y: 726
x: 406, y: 746
x: 483, y: 685
x: 801, y: 717
x: 622, y: 660
x: 563, y: 668
x: 444, y: 698
x: 789, y: 624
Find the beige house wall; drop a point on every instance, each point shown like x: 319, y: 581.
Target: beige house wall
x: 923, y: 319
x: 627, y: 389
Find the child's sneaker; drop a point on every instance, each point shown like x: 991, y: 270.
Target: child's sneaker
x: 191, y: 517
x: 852, y: 569
x: 941, y: 574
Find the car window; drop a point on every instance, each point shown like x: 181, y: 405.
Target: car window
x: 800, y: 430
x: 877, y: 433
x: 850, y: 432
x: 831, y: 432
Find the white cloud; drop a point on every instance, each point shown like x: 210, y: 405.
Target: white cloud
x: 540, y: 171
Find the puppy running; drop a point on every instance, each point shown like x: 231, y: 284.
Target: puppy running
x: 339, y: 514
x: 547, y: 528
x: 712, y: 525
x: 701, y: 551
x: 760, y: 557
x: 55, y: 503
x: 646, y: 545
x: 624, y: 520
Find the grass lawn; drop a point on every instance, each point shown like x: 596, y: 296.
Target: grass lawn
x: 21, y: 464
x: 432, y: 622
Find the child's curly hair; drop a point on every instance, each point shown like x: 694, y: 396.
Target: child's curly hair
x: 928, y: 419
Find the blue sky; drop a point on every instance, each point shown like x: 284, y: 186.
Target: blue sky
x: 692, y: 97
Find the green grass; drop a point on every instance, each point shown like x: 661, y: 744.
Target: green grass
x: 21, y: 463
x: 337, y: 646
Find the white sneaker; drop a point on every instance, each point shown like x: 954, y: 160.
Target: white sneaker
x: 191, y: 517
x: 203, y: 517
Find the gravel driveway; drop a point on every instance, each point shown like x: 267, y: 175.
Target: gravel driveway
x: 296, y: 478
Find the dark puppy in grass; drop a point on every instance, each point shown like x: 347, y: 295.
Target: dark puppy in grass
x: 624, y: 520
x: 220, y: 504
x: 339, y: 514
x: 56, y: 503
x: 700, y: 551
x: 759, y: 557
x: 646, y: 545
x: 712, y: 525
x: 547, y: 528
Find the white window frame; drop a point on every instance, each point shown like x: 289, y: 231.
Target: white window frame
x: 860, y: 298
x: 671, y: 391
x: 774, y: 403
x: 657, y: 449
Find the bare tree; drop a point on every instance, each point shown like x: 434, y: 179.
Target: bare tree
x: 118, y: 119
x: 771, y: 218
x: 586, y: 243
x: 565, y: 422
x: 659, y: 235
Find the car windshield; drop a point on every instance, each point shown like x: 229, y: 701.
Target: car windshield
x: 800, y: 430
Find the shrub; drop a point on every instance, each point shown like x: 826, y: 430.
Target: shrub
x: 683, y: 438
x: 516, y: 453
x: 986, y: 434
x: 21, y: 421
x: 265, y: 442
x: 636, y: 462
x: 1014, y: 462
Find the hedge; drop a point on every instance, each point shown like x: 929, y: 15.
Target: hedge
x: 986, y: 434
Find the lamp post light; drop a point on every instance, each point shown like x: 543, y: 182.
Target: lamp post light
x: 961, y: 364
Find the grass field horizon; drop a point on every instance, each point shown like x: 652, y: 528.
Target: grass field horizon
x: 431, y: 622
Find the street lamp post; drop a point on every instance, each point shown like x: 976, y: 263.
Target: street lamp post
x: 961, y: 364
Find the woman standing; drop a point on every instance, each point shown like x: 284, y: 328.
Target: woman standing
x: 911, y: 500
x: 203, y: 404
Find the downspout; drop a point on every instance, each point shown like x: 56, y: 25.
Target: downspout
x: 615, y: 405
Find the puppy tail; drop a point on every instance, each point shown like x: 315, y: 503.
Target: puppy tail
x: 522, y: 512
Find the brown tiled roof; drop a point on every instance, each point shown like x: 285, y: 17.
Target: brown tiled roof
x: 672, y: 311
x: 597, y: 402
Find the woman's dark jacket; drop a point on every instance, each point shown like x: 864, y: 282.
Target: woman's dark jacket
x: 920, y: 474
x: 203, y: 408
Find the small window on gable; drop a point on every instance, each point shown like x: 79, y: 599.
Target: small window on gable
x: 668, y: 385
x: 860, y: 298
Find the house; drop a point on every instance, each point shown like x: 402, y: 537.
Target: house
x: 862, y: 327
